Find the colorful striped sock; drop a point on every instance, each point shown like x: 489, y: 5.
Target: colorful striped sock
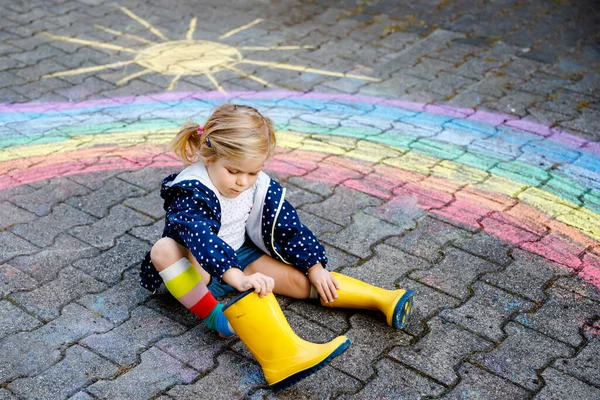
x: 184, y: 282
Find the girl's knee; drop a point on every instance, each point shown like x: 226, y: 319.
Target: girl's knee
x: 299, y: 281
x: 165, y: 252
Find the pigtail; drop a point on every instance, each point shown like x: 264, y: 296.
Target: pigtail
x: 187, y: 142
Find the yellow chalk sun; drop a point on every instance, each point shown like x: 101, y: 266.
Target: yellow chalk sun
x: 179, y: 58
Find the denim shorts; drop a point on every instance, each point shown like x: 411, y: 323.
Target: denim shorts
x: 246, y: 255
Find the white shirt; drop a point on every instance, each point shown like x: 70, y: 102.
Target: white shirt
x: 234, y: 215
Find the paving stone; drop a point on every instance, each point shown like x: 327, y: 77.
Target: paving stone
x: 318, y: 225
x: 123, y: 343
x: 13, y: 246
x: 398, y: 211
x: 386, y: 267
x: 487, y: 311
x: 150, y: 233
x: 561, y: 316
x: 585, y: 364
x: 487, y: 246
x: 477, y: 383
x: 30, y: 353
x: 340, y: 207
x: 370, y: 340
x: 449, y: 278
x: 99, y: 202
x: 440, y: 351
x: 46, y: 300
x: 46, y: 264
x: 102, y: 234
x: 145, y: 380
x: 359, y: 236
x: 233, y: 378
x: 109, y: 266
x: 315, y: 386
x: 527, y: 276
x: 44, y: 230
x: 151, y: 205
x: 117, y: 301
x: 78, y: 368
x: 507, y: 360
x: 197, y: 347
x: 13, y: 215
x: 339, y: 259
x: 336, y: 320
x: 427, y: 239
x: 393, y: 381
x: 560, y: 386
x: 13, y: 280
x: 15, y: 320
x: 579, y: 286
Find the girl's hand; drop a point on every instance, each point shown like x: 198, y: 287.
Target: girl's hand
x: 324, y: 282
x: 262, y: 284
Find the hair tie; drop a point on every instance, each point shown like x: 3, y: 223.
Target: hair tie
x: 208, y: 142
x: 200, y: 130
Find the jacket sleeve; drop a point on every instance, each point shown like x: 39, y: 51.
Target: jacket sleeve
x: 197, y: 228
x: 296, y: 243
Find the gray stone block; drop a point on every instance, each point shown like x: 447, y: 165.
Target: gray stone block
x: 15, y: 320
x: 13, y: 245
x: 103, y: 233
x: 440, y: 352
x: 561, y: 386
x: 98, y: 203
x: 394, y: 381
x: 78, y: 368
x: 47, y: 300
x: 507, y: 359
x: 455, y: 273
x: 150, y: 204
x: 361, y: 234
x: 335, y: 320
x: 386, y: 267
x: 109, y: 266
x: 13, y: 215
x: 233, y: 378
x: 370, y: 340
x: 123, y: 343
x: 30, y: 353
x: 117, y: 301
x: 428, y: 238
x: 476, y: 383
x: 145, y: 380
x: 561, y: 316
x: 13, y: 280
x: 44, y: 230
x: 487, y: 311
x: 47, y: 263
x: 340, y: 207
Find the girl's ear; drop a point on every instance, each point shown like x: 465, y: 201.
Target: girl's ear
x: 206, y: 162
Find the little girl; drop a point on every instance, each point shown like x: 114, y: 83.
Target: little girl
x: 228, y: 227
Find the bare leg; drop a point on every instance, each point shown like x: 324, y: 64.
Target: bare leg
x: 288, y: 280
x: 166, y: 252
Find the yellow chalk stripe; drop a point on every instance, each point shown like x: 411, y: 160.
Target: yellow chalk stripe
x: 414, y: 162
x: 372, y: 152
x: 549, y: 203
x: 459, y: 172
x: 321, y: 147
x: 584, y: 220
x: 184, y: 282
x: 501, y: 185
x: 340, y: 141
x: 289, y: 140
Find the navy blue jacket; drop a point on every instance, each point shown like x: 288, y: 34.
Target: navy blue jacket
x: 193, y: 215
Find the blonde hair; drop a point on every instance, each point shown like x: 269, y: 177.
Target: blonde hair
x: 234, y: 132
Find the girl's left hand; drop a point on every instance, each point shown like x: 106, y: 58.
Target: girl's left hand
x: 324, y: 282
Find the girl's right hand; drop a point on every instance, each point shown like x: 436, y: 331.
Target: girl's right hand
x: 262, y: 284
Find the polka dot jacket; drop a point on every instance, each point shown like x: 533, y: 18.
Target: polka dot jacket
x: 193, y: 215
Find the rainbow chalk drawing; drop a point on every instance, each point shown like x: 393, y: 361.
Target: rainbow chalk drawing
x: 534, y: 187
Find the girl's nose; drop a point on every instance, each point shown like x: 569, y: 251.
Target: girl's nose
x: 242, y: 180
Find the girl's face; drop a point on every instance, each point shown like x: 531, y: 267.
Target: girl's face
x: 233, y: 177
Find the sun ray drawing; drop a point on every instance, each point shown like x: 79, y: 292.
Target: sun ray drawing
x: 189, y: 56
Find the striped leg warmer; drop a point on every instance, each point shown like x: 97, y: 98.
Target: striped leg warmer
x: 185, y: 283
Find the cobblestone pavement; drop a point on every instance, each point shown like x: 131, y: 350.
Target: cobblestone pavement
x: 451, y: 147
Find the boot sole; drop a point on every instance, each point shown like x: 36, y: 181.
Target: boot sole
x: 298, y: 376
x: 403, y: 310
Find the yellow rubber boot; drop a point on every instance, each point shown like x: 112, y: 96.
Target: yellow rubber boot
x: 284, y: 357
x: 397, y: 305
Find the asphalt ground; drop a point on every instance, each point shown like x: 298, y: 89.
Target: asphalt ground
x: 450, y: 147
